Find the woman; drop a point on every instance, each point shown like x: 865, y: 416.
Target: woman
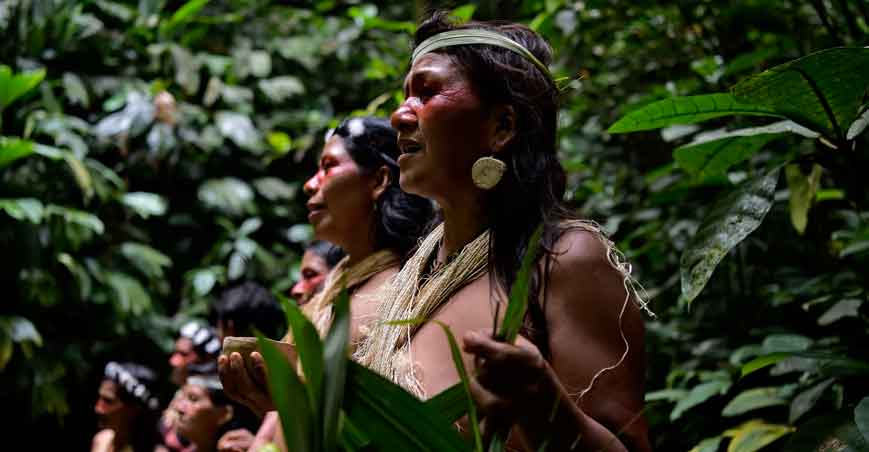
x: 205, y: 413
x: 477, y: 130
x: 354, y: 202
x: 319, y: 258
x: 126, y: 409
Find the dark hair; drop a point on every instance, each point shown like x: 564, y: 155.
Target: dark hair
x: 533, y: 186
x: 330, y: 252
x: 372, y: 143
x: 251, y: 306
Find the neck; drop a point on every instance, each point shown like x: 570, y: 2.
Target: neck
x: 121, y: 438
x: 463, y: 222
x: 360, y: 244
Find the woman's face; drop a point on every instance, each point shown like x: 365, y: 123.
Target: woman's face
x: 443, y: 128
x: 311, y: 275
x: 111, y: 411
x: 341, y: 196
x: 198, y: 418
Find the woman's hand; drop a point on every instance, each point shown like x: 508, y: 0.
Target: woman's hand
x: 509, y: 379
x: 238, y: 440
x: 241, y: 386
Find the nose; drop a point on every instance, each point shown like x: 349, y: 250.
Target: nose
x: 404, y: 118
x: 312, y: 185
x: 100, y: 407
x: 176, y: 360
x: 298, y: 290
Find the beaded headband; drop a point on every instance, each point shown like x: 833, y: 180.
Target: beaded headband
x: 475, y: 36
x: 131, y: 384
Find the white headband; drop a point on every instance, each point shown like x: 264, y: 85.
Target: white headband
x: 475, y: 36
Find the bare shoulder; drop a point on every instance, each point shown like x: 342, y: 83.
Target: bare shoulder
x: 370, y: 287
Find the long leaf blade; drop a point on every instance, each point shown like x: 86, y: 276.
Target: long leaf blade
x: 290, y: 398
x: 518, y: 304
x: 687, y: 110
x: 450, y: 403
x: 309, y: 348
x: 335, y: 374
x: 465, y: 381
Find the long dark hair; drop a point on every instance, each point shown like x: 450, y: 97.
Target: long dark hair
x: 136, y: 385
x: 532, y: 189
x: 401, y: 217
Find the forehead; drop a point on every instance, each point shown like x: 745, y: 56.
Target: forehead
x: 108, y: 389
x: 195, y: 390
x: 312, y: 260
x: 183, y: 344
x: 334, y: 148
x: 434, y: 65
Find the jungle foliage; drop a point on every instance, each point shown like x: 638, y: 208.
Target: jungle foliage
x: 152, y: 154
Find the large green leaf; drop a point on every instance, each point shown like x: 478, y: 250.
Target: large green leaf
x: 228, y: 195
x: 465, y: 379
x: 290, y: 397
x: 393, y: 418
x: 77, y: 217
x: 687, y: 110
x: 713, y: 158
x: 730, y: 221
x: 12, y: 149
x: 753, y: 399
x: 755, y: 435
x: 145, y: 204
x: 708, y: 445
x: 310, y: 350
x: 335, y: 370
x: 13, y: 86
x: 451, y: 403
x: 183, y: 15
x: 822, y: 91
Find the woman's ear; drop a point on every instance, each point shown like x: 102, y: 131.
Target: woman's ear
x: 381, y: 181
x: 505, y: 127
x: 226, y: 414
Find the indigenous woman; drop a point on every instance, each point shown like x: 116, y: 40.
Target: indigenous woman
x: 205, y: 413
x: 477, y: 130
x: 126, y: 409
x: 319, y: 258
x: 354, y: 202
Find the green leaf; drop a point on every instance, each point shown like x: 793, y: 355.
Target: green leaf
x: 465, y: 379
x: 786, y: 343
x: 23, y: 209
x: 755, y: 435
x: 75, y: 90
x: 290, y: 397
x: 821, y: 91
x: 859, y: 125
x: 146, y: 259
x: 275, y: 189
x: 686, y: 110
x: 698, y: 395
x: 451, y: 403
x: 730, y: 220
x: 130, y: 297
x: 80, y: 173
x: 13, y: 86
x: 861, y: 417
x: 518, y: 304
x: 145, y: 204
x: 802, y: 193
x: 464, y: 13
x: 182, y: 15
x: 240, y: 130
x: 335, y: 364
x: 762, y: 362
x: 21, y: 330
x: 77, y: 217
x: 12, y: 149
x: 753, y: 399
x: 713, y: 158
x: 279, y: 89
x: 393, y: 418
x: 807, y: 399
x: 310, y: 351
x: 848, y: 307
x: 708, y: 445
x: 228, y: 195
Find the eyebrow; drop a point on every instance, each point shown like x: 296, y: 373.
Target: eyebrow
x: 419, y: 73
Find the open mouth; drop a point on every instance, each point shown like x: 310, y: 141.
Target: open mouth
x: 409, y: 146
x: 315, y: 207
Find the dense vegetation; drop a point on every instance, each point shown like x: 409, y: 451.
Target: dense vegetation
x: 152, y: 153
